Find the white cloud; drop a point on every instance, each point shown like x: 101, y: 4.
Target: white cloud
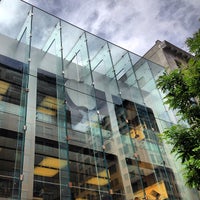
x: 4, y: 17
x: 11, y: 19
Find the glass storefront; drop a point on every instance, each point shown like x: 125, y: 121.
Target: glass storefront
x: 79, y: 116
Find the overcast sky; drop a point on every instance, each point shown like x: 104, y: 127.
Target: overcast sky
x: 131, y: 24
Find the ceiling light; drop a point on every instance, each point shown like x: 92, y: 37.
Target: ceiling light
x: 100, y: 180
x: 53, y: 163
x: 4, y: 87
x: 97, y: 181
x: 43, y: 171
x: 46, y: 111
x: 49, y: 102
x: 158, y: 189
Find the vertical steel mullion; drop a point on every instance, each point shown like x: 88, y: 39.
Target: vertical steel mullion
x: 60, y: 84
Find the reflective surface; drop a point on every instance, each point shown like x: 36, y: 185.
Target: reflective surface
x: 79, y: 116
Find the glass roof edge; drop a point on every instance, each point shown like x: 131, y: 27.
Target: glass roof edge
x: 59, y: 18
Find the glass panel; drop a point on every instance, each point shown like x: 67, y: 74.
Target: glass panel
x: 47, y: 165
x: 116, y: 53
x: 71, y: 35
x: 126, y: 79
x: 42, y: 30
x: 76, y: 68
x: 102, y: 69
x: 81, y: 49
x: 10, y: 85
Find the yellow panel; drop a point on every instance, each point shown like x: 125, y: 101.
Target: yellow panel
x: 152, y: 190
x: 46, y: 111
x: 48, y: 105
x: 49, y: 102
x: 97, y: 181
x: 4, y: 87
x: 100, y: 180
x: 80, y: 199
x: 103, y: 174
x: 42, y: 171
x: 53, y: 163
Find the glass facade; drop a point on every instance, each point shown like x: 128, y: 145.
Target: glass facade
x: 79, y: 116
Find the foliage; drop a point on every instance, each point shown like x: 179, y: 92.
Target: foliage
x: 182, y: 89
x: 186, y: 144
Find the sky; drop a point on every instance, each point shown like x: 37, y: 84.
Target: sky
x: 132, y: 24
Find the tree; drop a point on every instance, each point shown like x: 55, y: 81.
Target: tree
x: 182, y: 89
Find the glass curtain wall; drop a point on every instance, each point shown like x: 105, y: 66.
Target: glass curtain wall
x: 85, y: 116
